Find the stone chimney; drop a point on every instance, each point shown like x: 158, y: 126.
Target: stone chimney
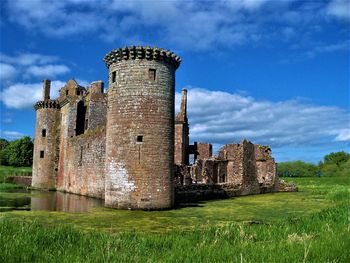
x: 182, y: 115
x: 46, y: 89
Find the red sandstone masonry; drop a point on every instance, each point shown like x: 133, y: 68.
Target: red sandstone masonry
x: 140, y: 132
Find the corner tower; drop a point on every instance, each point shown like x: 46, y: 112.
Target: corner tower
x: 140, y: 128
x: 45, y: 157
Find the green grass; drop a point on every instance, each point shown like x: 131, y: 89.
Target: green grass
x: 6, y: 171
x: 10, y: 186
x: 309, y: 226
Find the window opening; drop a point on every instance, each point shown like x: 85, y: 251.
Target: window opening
x: 139, y: 138
x: 114, y: 76
x: 80, y: 118
x: 67, y: 92
x: 41, y: 154
x: 152, y: 74
x: 43, y: 132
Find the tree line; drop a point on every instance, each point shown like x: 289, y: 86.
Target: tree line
x: 18, y: 153
x: 333, y: 164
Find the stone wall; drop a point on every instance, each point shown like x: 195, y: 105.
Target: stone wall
x: 85, y: 164
x: 25, y: 180
x: 204, y: 150
x: 265, y: 169
x: 96, y: 103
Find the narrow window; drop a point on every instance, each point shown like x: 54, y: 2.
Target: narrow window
x: 114, y: 76
x: 67, y: 92
x: 78, y: 92
x: 152, y: 74
x: 41, y: 154
x: 81, y: 155
x: 43, y: 132
x: 139, y: 138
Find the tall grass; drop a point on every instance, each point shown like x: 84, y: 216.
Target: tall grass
x: 322, y: 237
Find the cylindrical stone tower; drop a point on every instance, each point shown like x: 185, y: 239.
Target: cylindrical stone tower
x: 140, y: 128
x: 45, y: 157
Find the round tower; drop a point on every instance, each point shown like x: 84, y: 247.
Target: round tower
x: 45, y: 157
x: 140, y: 128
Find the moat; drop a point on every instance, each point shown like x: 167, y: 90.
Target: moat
x: 31, y: 200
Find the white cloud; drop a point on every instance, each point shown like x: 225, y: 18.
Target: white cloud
x: 11, y: 134
x: 47, y: 71
x: 26, y: 59
x: 7, y: 72
x: 194, y: 25
x: 339, y: 9
x: 21, y: 95
x: 343, y: 135
x: 221, y: 117
x: 30, y: 65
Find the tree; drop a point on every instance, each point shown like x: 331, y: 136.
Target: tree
x: 20, y: 152
x: 336, y: 158
x: 3, y: 157
x: 297, y: 169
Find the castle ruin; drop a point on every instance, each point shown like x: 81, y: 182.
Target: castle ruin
x: 126, y: 146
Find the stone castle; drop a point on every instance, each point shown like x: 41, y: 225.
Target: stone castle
x: 126, y: 146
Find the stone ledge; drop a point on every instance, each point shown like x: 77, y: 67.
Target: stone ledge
x: 140, y: 52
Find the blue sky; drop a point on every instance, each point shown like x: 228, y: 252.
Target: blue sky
x: 274, y: 72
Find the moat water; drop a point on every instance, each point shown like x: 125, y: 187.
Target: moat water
x: 30, y: 200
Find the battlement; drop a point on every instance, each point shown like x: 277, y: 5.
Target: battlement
x: 45, y: 104
x: 140, y: 52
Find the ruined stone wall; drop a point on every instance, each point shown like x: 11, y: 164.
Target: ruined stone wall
x: 241, y: 166
x: 209, y: 171
x: 265, y: 169
x: 250, y: 183
x: 233, y: 153
x: 85, y: 164
x: 45, y: 157
x: 204, y: 150
x: 140, y: 128
x: 96, y: 111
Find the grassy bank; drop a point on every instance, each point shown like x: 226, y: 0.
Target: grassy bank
x: 309, y: 226
x: 6, y: 171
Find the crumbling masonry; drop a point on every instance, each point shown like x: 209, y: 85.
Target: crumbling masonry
x: 126, y: 146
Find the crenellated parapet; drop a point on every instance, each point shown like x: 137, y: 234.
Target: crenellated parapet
x: 47, y: 104
x: 140, y: 52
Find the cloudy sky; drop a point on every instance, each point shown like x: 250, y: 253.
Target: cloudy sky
x: 275, y: 72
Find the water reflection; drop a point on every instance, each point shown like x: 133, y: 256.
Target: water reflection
x: 48, y: 201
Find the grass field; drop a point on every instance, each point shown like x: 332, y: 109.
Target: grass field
x: 309, y: 226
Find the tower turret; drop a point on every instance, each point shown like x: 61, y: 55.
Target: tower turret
x: 45, y: 157
x: 140, y: 128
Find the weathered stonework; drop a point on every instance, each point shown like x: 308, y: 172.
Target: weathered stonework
x: 140, y: 129
x: 125, y: 146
